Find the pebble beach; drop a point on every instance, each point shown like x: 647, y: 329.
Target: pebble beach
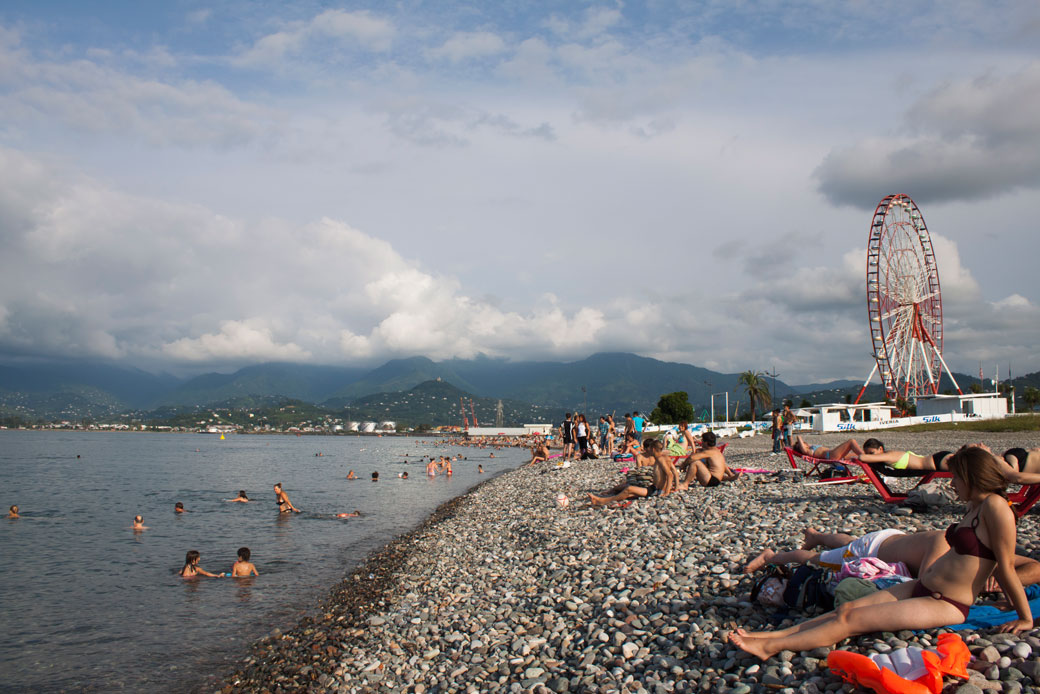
x: 502, y: 590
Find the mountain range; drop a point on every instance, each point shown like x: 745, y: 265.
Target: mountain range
x: 601, y: 383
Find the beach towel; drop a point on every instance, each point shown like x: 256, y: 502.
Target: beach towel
x: 982, y: 616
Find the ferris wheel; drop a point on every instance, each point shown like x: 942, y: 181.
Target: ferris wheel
x: 904, y: 303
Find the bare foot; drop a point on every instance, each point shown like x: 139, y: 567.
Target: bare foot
x: 749, y: 644
x: 811, y: 539
x: 759, y: 561
x: 597, y: 501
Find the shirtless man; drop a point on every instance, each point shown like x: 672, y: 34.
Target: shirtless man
x: 661, y: 480
x: 708, y: 467
x: 539, y: 453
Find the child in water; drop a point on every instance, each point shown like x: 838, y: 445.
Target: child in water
x: 241, y: 498
x: 192, y: 569
x: 242, y: 567
x: 139, y: 523
x: 13, y: 512
x: 179, y: 508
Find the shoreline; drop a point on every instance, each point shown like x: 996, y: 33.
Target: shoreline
x: 499, y: 588
x: 351, y: 602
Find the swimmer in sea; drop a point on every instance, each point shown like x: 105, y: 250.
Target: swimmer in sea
x: 179, y: 508
x: 282, y: 499
x: 13, y: 512
x: 375, y: 476
x: 192, y: 569
x: 431, y: 467
x: 351, y: 475
x: 447, y: 468
x: 139, y: 523
x: 403, y: 475
x: 355, y: 514
x: 241, y: 498
x: 480, y: 469
x: 242, y: 567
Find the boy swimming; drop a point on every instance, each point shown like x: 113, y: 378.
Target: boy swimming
x: 243, y: 567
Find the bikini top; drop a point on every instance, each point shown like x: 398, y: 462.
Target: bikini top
x: 965, y: 541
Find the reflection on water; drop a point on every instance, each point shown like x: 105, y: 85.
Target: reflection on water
x: 89, y: 604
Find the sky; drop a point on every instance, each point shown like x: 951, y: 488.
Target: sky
x: 188, y: 187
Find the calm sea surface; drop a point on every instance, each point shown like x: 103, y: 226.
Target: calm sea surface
x: 86, y: 604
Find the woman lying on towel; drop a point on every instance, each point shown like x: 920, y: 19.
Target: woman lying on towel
x: 836, y: 453
x: 981, y: 544
x: 875, y: 452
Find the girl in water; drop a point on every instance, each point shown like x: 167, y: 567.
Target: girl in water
x: 192, y: 569
x: 282, y: 499
x: 241, y: 498
x: 981, y: 544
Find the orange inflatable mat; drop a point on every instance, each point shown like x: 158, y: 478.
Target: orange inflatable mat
x: 908, y: 670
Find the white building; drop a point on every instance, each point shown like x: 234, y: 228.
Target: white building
x: 984, y: 405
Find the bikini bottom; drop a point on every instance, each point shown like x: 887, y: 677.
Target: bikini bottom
x: 921, y: 591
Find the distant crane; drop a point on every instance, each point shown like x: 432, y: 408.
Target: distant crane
x: 462, y: 408
x: 474, y: 413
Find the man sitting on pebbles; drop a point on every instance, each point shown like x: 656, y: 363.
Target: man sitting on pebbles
x: 708, y: 467
x: 661, y: 479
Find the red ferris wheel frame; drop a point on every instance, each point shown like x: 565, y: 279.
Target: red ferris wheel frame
x: 904, y: 302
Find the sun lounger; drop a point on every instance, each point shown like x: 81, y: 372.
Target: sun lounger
x: 1021, y: 500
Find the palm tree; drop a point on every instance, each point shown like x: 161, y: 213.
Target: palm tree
x: 757, y: 389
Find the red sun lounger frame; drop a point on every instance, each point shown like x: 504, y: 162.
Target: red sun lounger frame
x: 1021, y: 501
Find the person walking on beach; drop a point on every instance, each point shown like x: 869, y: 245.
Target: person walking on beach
x: 775, y: 431
x: 611, y: 433
x: 567, y: 436
x: 788, y: 419
x: 637, y: 425
x: 982, y: 544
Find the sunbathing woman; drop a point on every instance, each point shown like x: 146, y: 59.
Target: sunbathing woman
x: 874, y: 452
x: 659, y: 480
x: 836, y: 453
x: 1019, y: 465
x: 981, y: 544
x: 635, y: 449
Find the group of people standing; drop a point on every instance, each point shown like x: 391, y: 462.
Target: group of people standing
x: 592, y: 443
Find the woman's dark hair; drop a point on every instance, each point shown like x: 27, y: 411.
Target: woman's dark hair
x: 191, y: 557
x: 242, y: 494
x: 243, y: 553
x: 873, y: 445
x: 978, y: 469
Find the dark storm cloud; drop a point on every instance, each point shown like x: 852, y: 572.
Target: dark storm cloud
x: 966, y: 140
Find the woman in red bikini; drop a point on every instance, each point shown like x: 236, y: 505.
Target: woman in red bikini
x: 981, y: 544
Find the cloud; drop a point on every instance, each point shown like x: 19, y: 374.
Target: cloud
x: 347, y: 30
x: 966, y: 140
x: 468, y: 45
x: 245, y: 340
x: 89, y: 96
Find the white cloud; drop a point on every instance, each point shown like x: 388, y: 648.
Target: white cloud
x: 245, y: 340
x: 349, y: 30
x: 466, y: 45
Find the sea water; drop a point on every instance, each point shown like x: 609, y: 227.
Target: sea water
x: 87, y: 604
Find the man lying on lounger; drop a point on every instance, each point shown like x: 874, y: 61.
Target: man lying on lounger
x: 916, y: 550
x: 706, y: 467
